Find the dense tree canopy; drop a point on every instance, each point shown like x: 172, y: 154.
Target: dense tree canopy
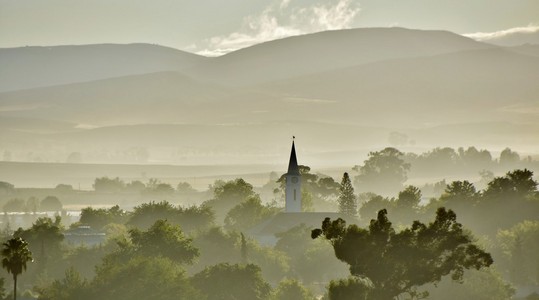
x: 383, y: 172
x: 232, y: 282
x: 248, y: 213
x: 398, y: 263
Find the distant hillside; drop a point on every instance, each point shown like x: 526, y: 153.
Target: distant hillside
x: 478, y: 85
x: 30, y: 67
x: 154, y: 97
x: 323, y: 51
x: 343, y: 92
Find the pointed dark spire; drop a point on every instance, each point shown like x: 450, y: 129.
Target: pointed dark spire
x: 293, y: 168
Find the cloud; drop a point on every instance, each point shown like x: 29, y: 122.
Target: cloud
x: 503, y: 34
x: 282, y: 19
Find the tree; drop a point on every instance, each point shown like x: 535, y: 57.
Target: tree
x: 406, y: 206
x: 291, y: 289
x: 400, y: 262
x: 154, y: 186
x: 108, y: 185
x: 165, y: 240
x: 232, y: 282
x: 142, y: 277
x: 347, y: 199
x: 73, y: 286
x: 15, y: 255
x: 383, y: 172
x: 248, y: 213
x: 228, y: 194
x: 51, y: 203
x: 185, y: 187
x: 508, y: 157
x: 44, y: 236
x: 190, y: 218
x: 519, y: 246
x: 351, y: 288
x: 100, y: 217
x: 373, y: 205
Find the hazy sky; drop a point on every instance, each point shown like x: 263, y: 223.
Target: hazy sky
x: 218, y: 26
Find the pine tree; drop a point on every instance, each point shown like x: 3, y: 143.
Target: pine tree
x: 347, y: 199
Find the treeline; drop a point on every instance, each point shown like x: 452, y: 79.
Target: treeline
x: 446, y: 160
x: 205, y: 251
x: 173, y: 251
x: 505, y: 215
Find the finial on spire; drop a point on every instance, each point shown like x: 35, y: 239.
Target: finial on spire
x: 293, y: 137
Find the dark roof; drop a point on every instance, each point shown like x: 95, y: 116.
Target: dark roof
x: 285, y: 221
x: 293, y: 164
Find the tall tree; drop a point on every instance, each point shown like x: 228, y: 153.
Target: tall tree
x: 383, y: 172
x: 398, y: 263
x: 347, y: 199
x: 15, y: 256
x: 45, y: 237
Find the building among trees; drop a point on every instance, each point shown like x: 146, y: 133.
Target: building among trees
x: 293, y: 215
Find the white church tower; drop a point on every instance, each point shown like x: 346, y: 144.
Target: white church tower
x: 293, y: 184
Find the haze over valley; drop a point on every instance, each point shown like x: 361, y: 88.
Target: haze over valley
x: 269, y: 150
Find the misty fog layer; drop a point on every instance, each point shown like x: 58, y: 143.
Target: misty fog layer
x: 344, y: 92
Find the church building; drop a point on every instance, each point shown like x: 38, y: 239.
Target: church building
x: 293, y: 215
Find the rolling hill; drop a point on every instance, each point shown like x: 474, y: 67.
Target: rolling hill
x: 31, y: 67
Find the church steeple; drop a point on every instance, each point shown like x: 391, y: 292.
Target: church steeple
x: 293, y: 168
x: 293, y: 184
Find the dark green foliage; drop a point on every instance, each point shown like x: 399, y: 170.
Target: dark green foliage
x: 248, y: 213
x: 154, y: 186
x: 244, y: 250
x: 15, y: 256
x: 142, y: 278
x: 2, y: 288
x: 460, y: 194
x: 163, y: 239
x: 72, y: 286
x: 108, y: 185
x: 406, y: 207
x: 373, y: 205
x: 228, y: 194
x: 352, y: 288
x: 232, y: 282
x: 291, y: 289
x: 217, y: 245
x: 519, y: 246
x: 135, y: 186
x: 484, y: 284
x: 190, y: 218
x: 347, y: 198
x: 383, y: 172
x: 45, y: 238
x: 396, y: 263
x: 100, y: 217
x: 51, y: 203
x: 310, y: 260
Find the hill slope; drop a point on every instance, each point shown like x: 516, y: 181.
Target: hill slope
x: 30, y: 67
x: 323, y: 51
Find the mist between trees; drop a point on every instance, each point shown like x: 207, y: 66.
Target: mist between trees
x: 467, y: 239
